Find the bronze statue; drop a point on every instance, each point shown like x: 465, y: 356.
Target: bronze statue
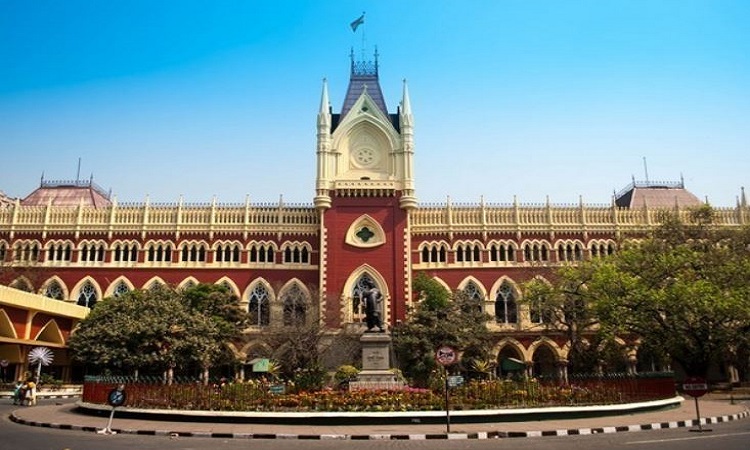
x: 372, y: 299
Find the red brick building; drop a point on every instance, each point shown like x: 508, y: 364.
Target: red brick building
x: 72, y: 242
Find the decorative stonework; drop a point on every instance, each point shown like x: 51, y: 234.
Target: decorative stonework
x: 365, y: 232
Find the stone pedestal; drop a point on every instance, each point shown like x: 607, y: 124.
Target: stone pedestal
x: 376, y: 364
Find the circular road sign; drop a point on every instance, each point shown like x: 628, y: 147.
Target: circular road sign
x: 116, y: 397
x: 445, y: 355
x: 695, y: 386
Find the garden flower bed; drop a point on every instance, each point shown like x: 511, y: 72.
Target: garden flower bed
x: 493, y: 394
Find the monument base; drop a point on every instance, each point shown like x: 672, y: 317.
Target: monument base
x: 376, y: 368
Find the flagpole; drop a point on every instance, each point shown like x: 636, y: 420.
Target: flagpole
x: 360, y: 21
x: 363, y: 41
x: 364, y: 29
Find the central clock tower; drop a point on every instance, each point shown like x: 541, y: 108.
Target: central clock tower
x: 364, y: 195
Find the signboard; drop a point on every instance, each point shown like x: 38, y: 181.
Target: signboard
x: 695, y: 386
x: 455, y: 380
x: 277, y: 389
x: 445, y: 355
x: 260, y: 364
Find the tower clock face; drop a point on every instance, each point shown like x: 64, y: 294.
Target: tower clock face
x: 365, y: 156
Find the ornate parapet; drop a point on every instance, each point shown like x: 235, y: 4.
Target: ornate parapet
x: 149, y: 218
x: 450, y: 218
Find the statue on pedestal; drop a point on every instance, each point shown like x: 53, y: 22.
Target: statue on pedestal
x: 373, y: 299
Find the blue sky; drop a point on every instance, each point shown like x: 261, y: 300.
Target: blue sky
x: 527, y: 98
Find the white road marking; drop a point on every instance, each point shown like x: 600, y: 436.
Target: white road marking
x: 706, y: 436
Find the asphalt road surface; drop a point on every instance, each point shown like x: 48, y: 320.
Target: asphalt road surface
x: 734, y: 435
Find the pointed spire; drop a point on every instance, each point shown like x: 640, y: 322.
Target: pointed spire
x: 743, y: 199
x: 324, y: 103
x: 406, y: 116
x: 324, y: 114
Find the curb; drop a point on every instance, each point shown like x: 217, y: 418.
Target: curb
x: 10, y: 397
x: 382, y: 418
x: 65, y: 393
x: 392, y: 437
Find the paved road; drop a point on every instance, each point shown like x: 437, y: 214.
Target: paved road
x: 733, y: 435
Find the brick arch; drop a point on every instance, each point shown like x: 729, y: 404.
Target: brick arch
x: 155, y: 279
x: 22, y: 283
x: 229, y: 282
x: 471, y: 279
x: 305, y: 293
x: 186, y: 282
x: 513, y: 343
x: 111, y: 288
x: 60, y: 282
x: 346, y: 312
x: 244, y: 300
x: 76, y: 291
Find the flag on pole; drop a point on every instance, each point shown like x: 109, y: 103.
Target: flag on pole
x: 360, y: 20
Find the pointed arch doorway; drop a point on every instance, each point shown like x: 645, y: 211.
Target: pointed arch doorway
x: 354, y: 307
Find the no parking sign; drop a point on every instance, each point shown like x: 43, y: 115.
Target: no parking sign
x: 445, y: 355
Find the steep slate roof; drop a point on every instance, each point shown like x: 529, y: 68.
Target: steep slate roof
x: 656, y: 195
x: 68, y: 193
x: 364, y: 75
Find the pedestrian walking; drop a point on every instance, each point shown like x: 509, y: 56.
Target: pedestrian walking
x: 18, y: 392
x: 30, y: 394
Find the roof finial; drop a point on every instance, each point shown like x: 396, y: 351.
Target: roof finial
x: 405, y: 102
x: 325, y: 105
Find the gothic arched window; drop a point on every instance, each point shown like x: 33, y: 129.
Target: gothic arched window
x: 54, y: 290
x: 258, y: 307
x: 475, y: 295
x: 506, y: 310
x: 87, y: 296
x: 295, y: 306
x: 121, y: 289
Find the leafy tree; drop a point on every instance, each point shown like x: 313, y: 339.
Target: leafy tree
x: 566, y: 306
x: 685, y: 288
x: 216, y: 311
x: 439, y: 320
x: 219, y: 305
x: 140, y: 329
x: 159, y: 329
x: 430, y: 293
